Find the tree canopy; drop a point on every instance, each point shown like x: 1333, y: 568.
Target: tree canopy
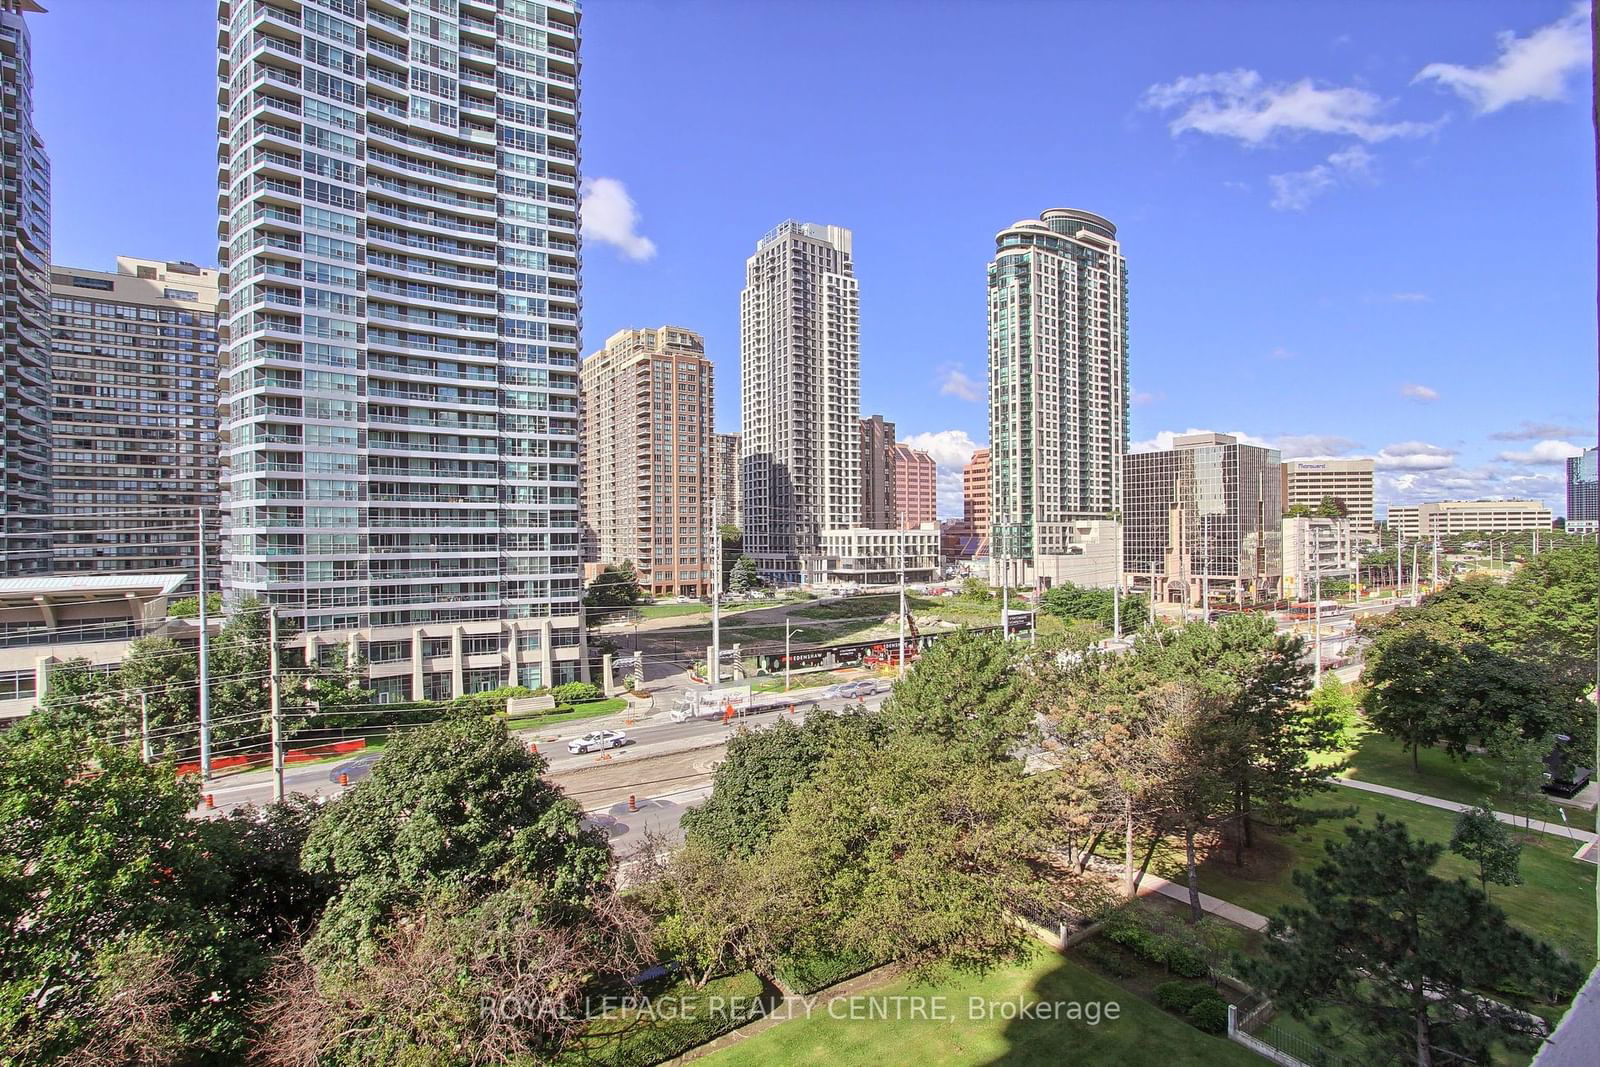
x: 1404, y: 953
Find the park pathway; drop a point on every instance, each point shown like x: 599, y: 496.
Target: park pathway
x: 1571, y: 832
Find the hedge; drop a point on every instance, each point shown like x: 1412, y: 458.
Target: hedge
x: 684, y: 1021
x: 807, y: 974
x: 1201, y: 1006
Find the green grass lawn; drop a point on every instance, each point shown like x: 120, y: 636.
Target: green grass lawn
x: 1383, y: 761
x: 590, y: 710
x: 799, y: 681
x: 1556, y: 901
x: 668, y: 611
x: 1141, y: 1034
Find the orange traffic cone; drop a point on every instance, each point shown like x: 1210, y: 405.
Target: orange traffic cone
x: 344, y: 779
x: 633, y: 804
x: 211, y: 801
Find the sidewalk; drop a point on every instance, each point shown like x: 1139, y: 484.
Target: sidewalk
x: 1238, y: 916
x: 1556, y: 829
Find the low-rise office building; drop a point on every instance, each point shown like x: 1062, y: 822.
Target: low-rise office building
x: 1313, y: 548
x: 49, y: 619
x: 1467, y: 516
x: 861, y: 556
x: 1203, y: 521
x: 1308, y: 481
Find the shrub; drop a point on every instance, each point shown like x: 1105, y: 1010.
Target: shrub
x: 1103, y: 959
x: 1209, y: 1016
x: 807, y: 974
x: 576, y: 693
x: 1185, y: 962
x: 1181, y: 996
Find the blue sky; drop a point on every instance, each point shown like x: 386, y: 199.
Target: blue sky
x: 1351, y: 228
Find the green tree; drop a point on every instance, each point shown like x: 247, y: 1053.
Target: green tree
x: 964, y: 692
x: 1406, y: 675
x: 1336, y: 704
x: 1332, y: 507
x: 1512, y: 768
x: 188, y: 607
x: 86, y: 696
x: 167, y: 675
x: 114, y: 898
x: 1076, y: 603
x: 760, y: 771
x: 616, y: 586
x: 732, y: 539
x: 743, y: 576
x: 241, y: 661
x: 1482, y: 839
x: 1401, y: 952
x: 457, y: 806
x: 908, y: 852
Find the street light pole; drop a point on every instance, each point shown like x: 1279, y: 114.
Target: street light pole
x: 1005, y: 586
x: 1116, y: 584
x: 275, y: 695
x: 1316, y: 578
x: 714, y: 668
x: 901, y: 671
x: 205, y: 647
x: 787, y: 631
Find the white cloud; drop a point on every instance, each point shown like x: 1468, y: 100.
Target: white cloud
x: 954, y: 382
x: 1470, y: 483
x: 1313, y: 446
x: 610, y: 216
x: 1420, y: 393
x: 1534, y: 67
x: 1536, y: 431
x: 1140, y: 399
x: 1544, y: 453
x: 1280, y: 352
x: 1409, y: 298
x: 1414, y: 456
x: 1295, y: 190
x: 1163, y: 440
x: 1240, y: 104
x: 950, y: 449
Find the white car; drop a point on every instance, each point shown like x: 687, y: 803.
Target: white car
x: 596, y: 740
x: 852, y: 690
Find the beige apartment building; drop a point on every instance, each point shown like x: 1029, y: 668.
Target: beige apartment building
x: 729, y: 495
x: 134, y: 429
x: 1466, y: 516
x: 916, y: 488
x: 1307, y: 481
x: 648, y: 470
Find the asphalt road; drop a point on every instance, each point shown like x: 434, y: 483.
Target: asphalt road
x: 649, y: 740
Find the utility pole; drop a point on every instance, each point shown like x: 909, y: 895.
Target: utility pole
x: 1005, y: 587
x: 205, y: 646
x: 1435, y: 582
x: 1414, y: 546
x: 1116, y: 583
x: 714, y: 668
x: 1316, y: 578
x: 275, y: 690
x: 144, y: 726
x: 901, y: 671
x: 787, y: 632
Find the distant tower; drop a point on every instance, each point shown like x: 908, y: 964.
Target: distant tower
x: 1058, y: 388
x: 25, y: 305
x: 648, y: 468
x: 800, y: 394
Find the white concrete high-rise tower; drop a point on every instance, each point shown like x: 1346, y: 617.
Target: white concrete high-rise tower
x: 800, y: 395
x: 399, y: 236
x: 1058, y: 396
